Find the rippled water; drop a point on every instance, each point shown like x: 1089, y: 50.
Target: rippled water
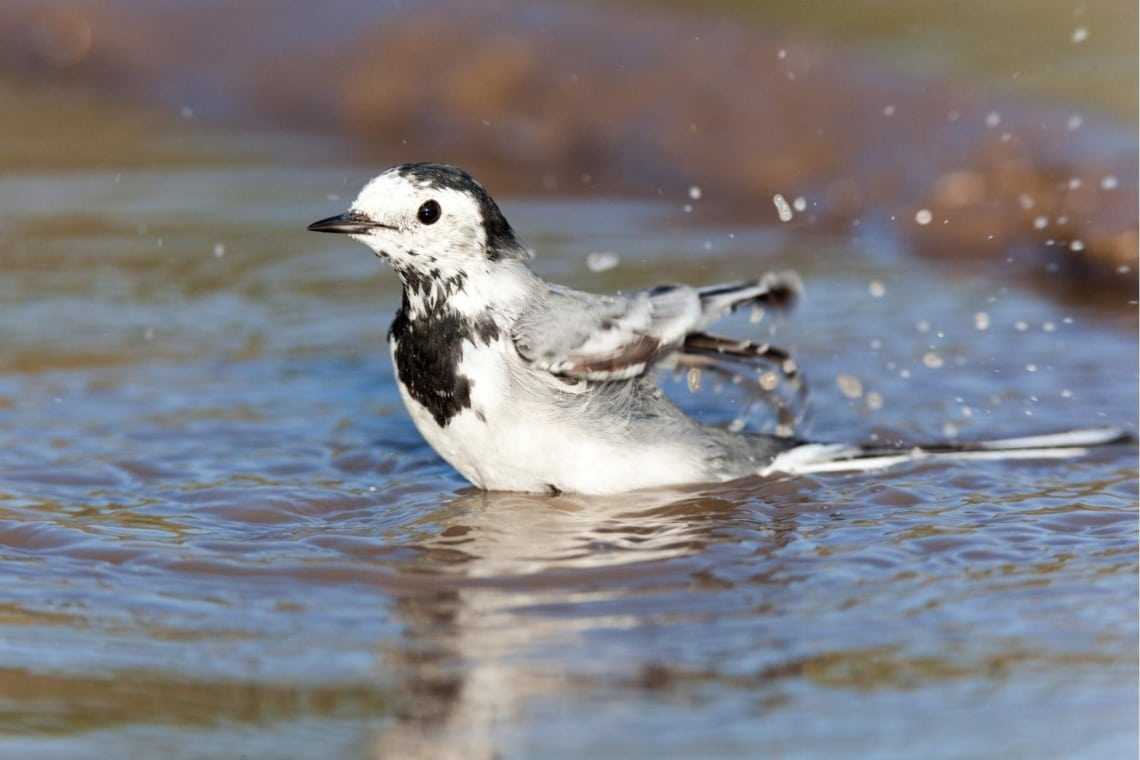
x: 222, y: 536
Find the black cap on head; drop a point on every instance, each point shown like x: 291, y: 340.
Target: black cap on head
x: 501, y: 239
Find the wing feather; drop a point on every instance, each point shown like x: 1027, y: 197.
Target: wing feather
x: 579, y: 335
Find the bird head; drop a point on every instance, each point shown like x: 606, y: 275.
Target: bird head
x: 428, y: 220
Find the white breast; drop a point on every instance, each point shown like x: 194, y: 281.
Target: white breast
x: 515, y: 438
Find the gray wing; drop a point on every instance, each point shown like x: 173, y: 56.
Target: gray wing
x: 580, y: 335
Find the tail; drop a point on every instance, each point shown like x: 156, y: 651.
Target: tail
x: 778, y: 290
x: 837, y: 457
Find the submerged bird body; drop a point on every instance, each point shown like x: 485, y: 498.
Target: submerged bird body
x: 523, y: 385
x: 507, y: 423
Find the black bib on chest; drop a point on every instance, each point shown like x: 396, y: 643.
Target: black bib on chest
x: 428, y: 351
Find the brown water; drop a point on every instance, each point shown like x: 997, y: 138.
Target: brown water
x: 222, y: 536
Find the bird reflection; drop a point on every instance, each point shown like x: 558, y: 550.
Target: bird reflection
x: 524, y: 572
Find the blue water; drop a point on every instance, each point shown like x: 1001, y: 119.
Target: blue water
x: 222, y: 536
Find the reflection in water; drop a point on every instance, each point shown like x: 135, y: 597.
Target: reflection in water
x: 502, y: 534
x: 466, y: 659
x: 515, y: 578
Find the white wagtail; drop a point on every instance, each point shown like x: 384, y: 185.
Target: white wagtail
x: 522, y: 385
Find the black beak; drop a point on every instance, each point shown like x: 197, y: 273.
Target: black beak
x: 350, y: 223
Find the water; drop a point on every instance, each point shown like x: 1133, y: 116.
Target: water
x: 222, y: 536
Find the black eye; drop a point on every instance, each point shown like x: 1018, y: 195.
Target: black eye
x: 429, y: 212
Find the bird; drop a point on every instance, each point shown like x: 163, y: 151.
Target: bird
x: 525, y: 385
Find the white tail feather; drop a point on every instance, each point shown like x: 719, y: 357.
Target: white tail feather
x: 831, y: 457
x: 1091, y: 437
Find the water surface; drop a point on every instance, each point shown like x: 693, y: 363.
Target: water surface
x: 221, y: 534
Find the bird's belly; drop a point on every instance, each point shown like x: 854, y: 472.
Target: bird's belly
x: 513, y: 440
x: 513, y: 453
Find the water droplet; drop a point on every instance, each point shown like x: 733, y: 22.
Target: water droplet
x: 1109, y: 183
x: 800, y: 203
x: 932, y: 360
x: 982, y: 321
x: 850, y: 386
x: 1080, y: 34
x: 993, y: 118
x: 1074, y: 122
x: 693, y: 379
x: 219, y: 250
x: 874, y: 400
x: 888, y: 110
x: 601, y: 261
x: 695, y: 193
x: 876, y: 289
x: 923, y: 216
x: 783, y: 210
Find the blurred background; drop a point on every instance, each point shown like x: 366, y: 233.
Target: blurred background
x: 1012, y: 123
x: 220, y: 534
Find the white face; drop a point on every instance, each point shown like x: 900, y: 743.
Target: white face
x: 430, y: 219
x: 420, y: 225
